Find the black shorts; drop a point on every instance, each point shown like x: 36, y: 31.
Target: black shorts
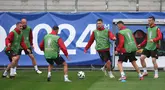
x: 105, y: 56
x: 11, y: 54
x: 26, y: 52
x: 127, y: 56
x: 150, y: 53
x: 59, y: 61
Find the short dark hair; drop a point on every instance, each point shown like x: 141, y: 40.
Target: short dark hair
x: 120, y: 22
x: 99, y: 20
x: 152, y: 17
x: 55, y: 28
x: 18, y: 23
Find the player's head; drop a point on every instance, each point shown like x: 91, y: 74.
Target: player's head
x: 55, y: 28
x: 19, y: 25
x: 99, y: 23
x: 24, y: 22
x: 151, y: 20
x: 120, y: 24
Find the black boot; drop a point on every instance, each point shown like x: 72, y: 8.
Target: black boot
x: 48, y: 79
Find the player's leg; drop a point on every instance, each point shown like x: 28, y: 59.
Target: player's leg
x: 104, y: 70
x: 66, y: 72
x: 33, y: 61
x: 5, y: 73
x: 155, y: 67
x: 104, y: 67
x: 15, y: 68
x: 145, y: 54
x: 137, y: 69
x: 60, y: 61
x: 154, y: 57
x: 10, y: 55
x: 122, y: 58
x: 50, y: 67
x: 13, y: 64
x: 120, y: 67
x: 105, y: 56
x: 108, y: 66
x: 16, y: 65
x: 132, y: 59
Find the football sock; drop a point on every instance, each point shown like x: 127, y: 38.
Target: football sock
x: 140, y: 75
x: 49, y: 74
x: 11, y: 71
x: 36, y: 67
x: 109, y: 72
x: 15, y: 69
x: 156, y: 71
x: 65, y: 76
x: 5, y: 73
x: 145, y: 70
x: 122, y: 74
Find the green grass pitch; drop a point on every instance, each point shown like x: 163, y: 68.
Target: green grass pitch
x: 95, y: 80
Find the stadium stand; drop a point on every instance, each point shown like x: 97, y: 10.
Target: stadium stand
x: 81, y: 5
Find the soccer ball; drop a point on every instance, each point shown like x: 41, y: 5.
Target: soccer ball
x: 81, y: 75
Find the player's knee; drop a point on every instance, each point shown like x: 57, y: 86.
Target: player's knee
x: 51, y: 64
x: 14, y: 62
x: 119, y: 62
x: 154, y: 61
x: 15, y: 59
x: 108, y: 62
x: 31, y: 56
x: 133, y: 62
x: 65, y: 64
x: 142, y: 57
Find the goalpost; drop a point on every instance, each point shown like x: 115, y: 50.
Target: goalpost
x: 131, y: 22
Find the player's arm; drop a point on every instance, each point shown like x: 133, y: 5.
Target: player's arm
x: 159, y: 36
x: 9, y: 40
x: 42, y: 45
x: 144, y: 42
x: 90, y: 42
x: 23, y: 45
x: 120, y: 47
x: 31, y: 37
x: 111, y: 35
x: 62, y: 47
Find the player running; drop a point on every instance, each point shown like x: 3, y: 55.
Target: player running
x: 102, y: 36
x: 28, y: 38
x: 126, y: 49
x: 14, y: 42
x: 50, y: 45
x: 152, y: 40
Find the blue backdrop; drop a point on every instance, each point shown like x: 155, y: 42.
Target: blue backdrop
x: 80, y: 26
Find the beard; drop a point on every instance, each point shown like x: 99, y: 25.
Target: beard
x: 99, y: 26
x: 24, y: 26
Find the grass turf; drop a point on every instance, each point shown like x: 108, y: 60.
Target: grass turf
x: 95, y: 80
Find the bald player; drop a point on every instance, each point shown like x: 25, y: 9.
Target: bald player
x: 28, y: 38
